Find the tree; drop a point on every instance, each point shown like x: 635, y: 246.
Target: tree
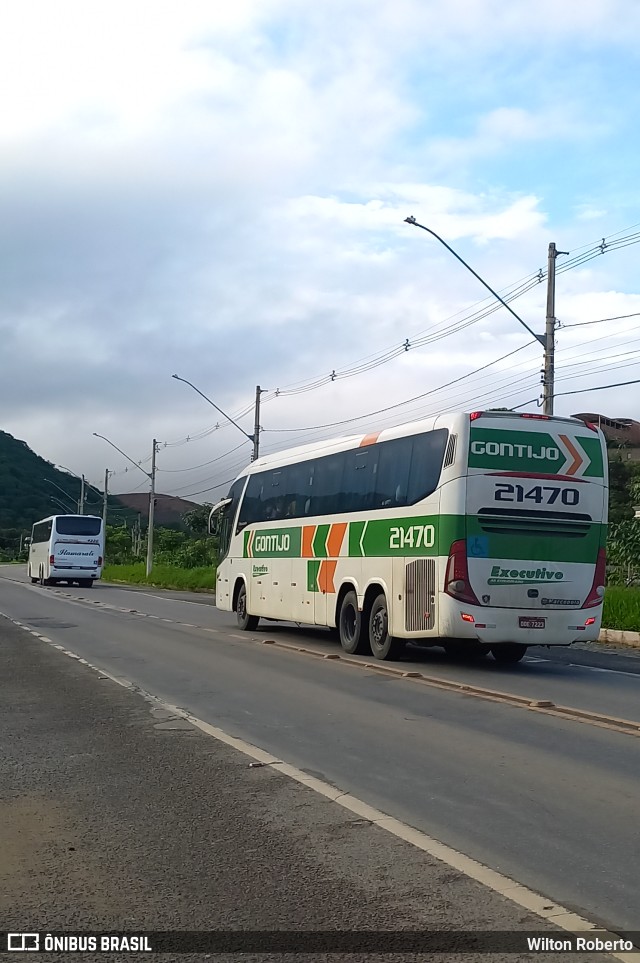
x: 197, y: 520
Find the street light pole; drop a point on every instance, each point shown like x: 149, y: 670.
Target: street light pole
x: 547, y: 340
x: 152, y: 477
x: 255, y: 437
x: 152, y: 505
x: 66, y: 494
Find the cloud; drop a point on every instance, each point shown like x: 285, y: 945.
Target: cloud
x: 220, y: 191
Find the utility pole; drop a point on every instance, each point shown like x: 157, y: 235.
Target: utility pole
x: 256, y: 426
x: 548, y: 374
x: 81, y: 502
x: 104, y: 501
x: 152, y: 499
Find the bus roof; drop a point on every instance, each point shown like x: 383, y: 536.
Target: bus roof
x: 50, y: 518
x: 329, y: 446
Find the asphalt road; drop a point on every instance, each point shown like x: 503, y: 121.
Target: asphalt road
x: 114, y: 817
x: 550, y: 803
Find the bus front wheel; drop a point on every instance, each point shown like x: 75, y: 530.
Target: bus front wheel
x: 248, y: 623
x: 509, y: 653
x: 383, y: 645
x: 352, y: 638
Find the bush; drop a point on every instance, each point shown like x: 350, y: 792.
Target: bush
x: 621, y: 609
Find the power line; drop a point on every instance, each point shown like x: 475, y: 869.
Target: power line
x: 619, y: 317
x: 400, y: 404
x: 582, y: 391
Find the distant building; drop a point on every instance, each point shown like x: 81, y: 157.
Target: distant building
x: 623, y: 432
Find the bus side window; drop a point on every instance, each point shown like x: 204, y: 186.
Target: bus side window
x: 327, y: 478
x: 392, y: 476
x: 358, y: 479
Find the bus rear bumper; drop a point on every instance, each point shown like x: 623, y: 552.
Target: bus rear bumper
x: 492, y: 626
x: 73, y: 574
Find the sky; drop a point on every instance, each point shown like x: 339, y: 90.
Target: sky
x: 219, y: 190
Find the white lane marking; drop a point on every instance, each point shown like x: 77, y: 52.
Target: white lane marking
x: 163, y: 598
x: 537, y: 904
x: 589, y: 668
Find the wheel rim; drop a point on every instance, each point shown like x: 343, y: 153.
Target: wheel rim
x: 379, y: 627
x: 242, y: 605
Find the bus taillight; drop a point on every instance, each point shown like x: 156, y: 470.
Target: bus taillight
x: 99, y: 559
x: 52, y: 559
x: 456, y: 580
x: 596, y: 594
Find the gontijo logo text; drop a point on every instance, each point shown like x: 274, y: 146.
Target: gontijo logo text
x: 504, y: 448
x: 537, y: 451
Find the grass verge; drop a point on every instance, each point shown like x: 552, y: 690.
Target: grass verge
x: 163, y: 576
x: 621, y: 609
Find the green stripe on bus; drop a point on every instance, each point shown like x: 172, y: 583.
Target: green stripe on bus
x: 313, y: 567
x: 320, y: 541
x: 537, y: 547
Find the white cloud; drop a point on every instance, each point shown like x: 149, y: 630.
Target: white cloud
x: 220, y: 190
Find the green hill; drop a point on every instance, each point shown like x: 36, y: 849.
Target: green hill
x: 32, y: 488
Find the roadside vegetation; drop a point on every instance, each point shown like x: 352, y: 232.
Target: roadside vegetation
x: 622, y: 608
x: 199, y: 579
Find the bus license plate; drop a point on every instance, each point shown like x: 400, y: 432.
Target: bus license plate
x: 526, y: 622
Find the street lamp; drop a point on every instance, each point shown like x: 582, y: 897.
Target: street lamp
x: 546, y: 340
x: 152, y: 477
x: 255, y: 437
x: 66, y: 494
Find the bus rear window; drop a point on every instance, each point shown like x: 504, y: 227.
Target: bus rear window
x: 78, y: 525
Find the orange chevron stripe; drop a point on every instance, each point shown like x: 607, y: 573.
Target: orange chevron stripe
x: 325, y: 576
x: 308, y: 531
x: 335, y: 539
x: 369, y: 439
x: 577, y: 457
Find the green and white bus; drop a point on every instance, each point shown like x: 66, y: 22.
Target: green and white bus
x: 479, y: 532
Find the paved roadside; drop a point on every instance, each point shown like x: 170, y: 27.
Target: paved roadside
x: 113, y: 817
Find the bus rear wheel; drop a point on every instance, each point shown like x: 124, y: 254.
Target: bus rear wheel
x: 383, y: 645
x: 509, y: 653
x: 248, y: 623
x: 352, y: 638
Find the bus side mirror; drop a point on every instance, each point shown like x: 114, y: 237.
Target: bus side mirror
x: 215, y: 516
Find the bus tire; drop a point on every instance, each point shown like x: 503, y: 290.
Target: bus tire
x: 86, y: 583
x: 248, y: 623
x: 509, y: 653
x: 383, y: 645
x: 352, y: 638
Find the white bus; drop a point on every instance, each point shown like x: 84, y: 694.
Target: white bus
x: 66, y: 548
x: 480, y: 532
